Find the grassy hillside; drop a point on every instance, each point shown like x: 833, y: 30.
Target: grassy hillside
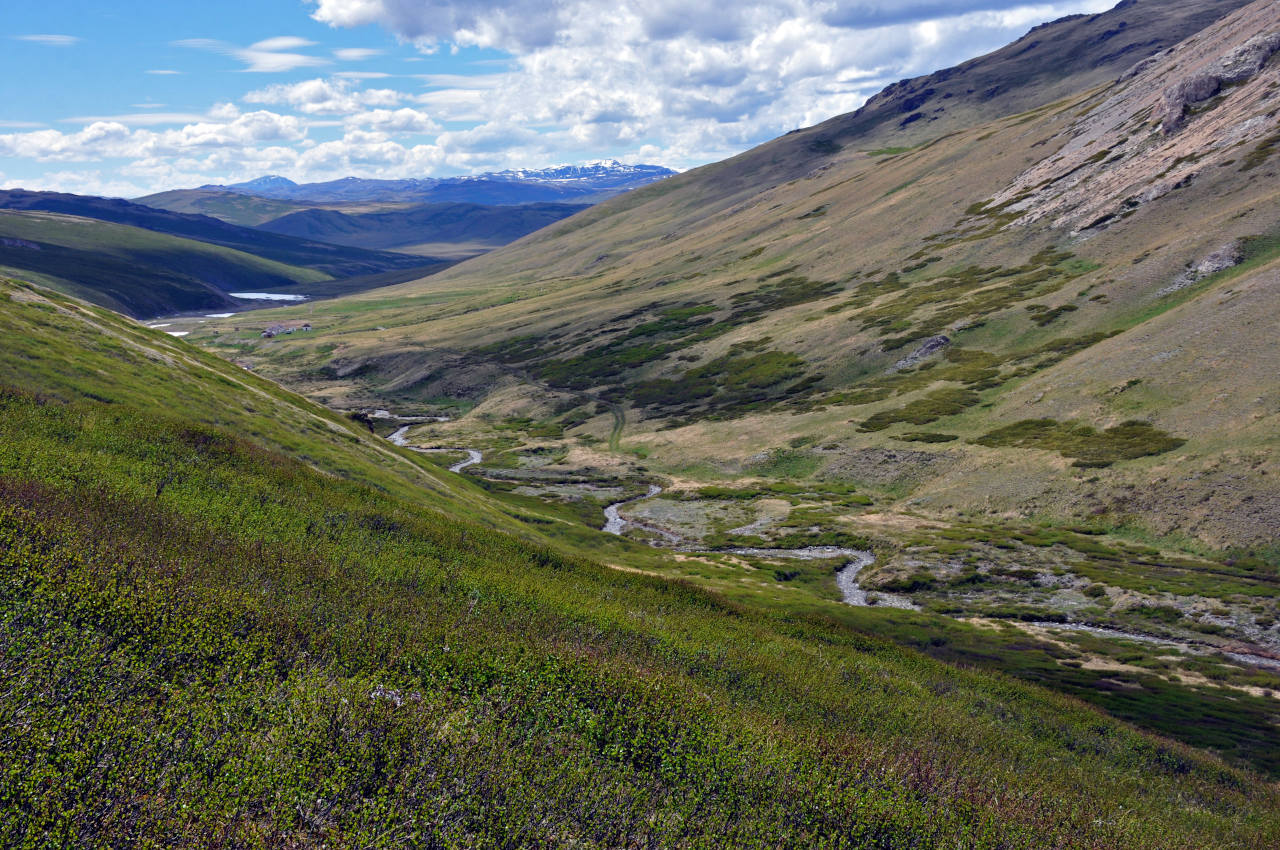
x: 231, y: 207
x: 67, y: 350
x: 137, y: 272
x: 1028, y: 361
x: 424, y: 224
x: 332, y: 260
x: 239, y: 645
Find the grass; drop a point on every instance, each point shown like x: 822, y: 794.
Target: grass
x: 236, y: 646
x: 136, y: 271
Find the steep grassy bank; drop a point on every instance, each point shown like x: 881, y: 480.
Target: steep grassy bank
x: 256, y: 652
x: 207, y: 640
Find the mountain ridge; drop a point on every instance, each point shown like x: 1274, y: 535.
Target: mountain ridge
x: 584, y: 183
x: 468, y: 225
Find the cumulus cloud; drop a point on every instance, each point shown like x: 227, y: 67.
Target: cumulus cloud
x: 701, y: 79
x: 325, y: 97
x: 403, y: 120
x: 102, y: 140
x: 271, y: 55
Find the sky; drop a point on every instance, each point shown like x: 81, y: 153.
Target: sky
x: 136, y: 96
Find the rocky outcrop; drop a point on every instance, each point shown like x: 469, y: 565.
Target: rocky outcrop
x: 1144, y: 138
x: 1228, y: 256
x: 1234, y: 68
x: 929, y: 347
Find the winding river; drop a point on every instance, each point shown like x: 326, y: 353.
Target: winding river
x: 397, y: 437
x: 613, y: 522
x: 847, y: 577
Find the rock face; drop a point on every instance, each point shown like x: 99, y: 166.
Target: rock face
x: 1234, y: 68
x: 1220, y: 260
x: 1144, y: 137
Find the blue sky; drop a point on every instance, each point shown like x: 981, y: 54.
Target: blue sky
x: 131, y: 97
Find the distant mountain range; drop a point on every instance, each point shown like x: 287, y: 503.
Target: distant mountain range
x: 589, y: 183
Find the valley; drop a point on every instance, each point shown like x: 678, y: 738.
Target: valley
x: 882, y: 350
x: 911, y: 479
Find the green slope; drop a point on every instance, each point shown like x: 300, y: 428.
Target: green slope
x: 992, y: 355
x: 137, y: 272
x: 232, y: 207
x: 235, y: 645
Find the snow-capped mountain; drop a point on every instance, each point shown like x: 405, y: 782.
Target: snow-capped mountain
x: 586, y: 183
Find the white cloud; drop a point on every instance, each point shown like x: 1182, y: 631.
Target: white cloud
x: 138, y: 119
x: 51, y: 40
x: 325, y: 97
x: 403, y: 120
x: 109, y: 139
x: 281, y: 42
x: 356, y: 54
x: 701, y: 79
x: 164, y: 72
x: 267, y: 56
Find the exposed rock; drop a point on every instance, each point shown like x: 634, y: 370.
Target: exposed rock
x: 1226, y: 257
x: 929, y: 347
x: 1155, y: 134
x: 1140, y: 67
x: 1222, y: 259
x: 886, y: 467
x: 1233, y: 68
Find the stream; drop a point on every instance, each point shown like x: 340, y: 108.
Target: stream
x: 613, y: 522
x: 1174, y: 643
x: 847, y: 576
x: 397, y: 438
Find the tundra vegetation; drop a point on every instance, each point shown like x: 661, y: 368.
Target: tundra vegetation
x: 1025, y: 359
x: 236, y: 645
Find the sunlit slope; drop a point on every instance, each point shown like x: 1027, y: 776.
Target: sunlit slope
x: 853, y: 296
x: 231, y: 207
x: 65, y: 349
x: 236, y: 645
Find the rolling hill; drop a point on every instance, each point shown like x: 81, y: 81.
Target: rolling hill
x: 231, y: 207
x: 469, y: 226
x: 137, y: 272
x: 333, y: 260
